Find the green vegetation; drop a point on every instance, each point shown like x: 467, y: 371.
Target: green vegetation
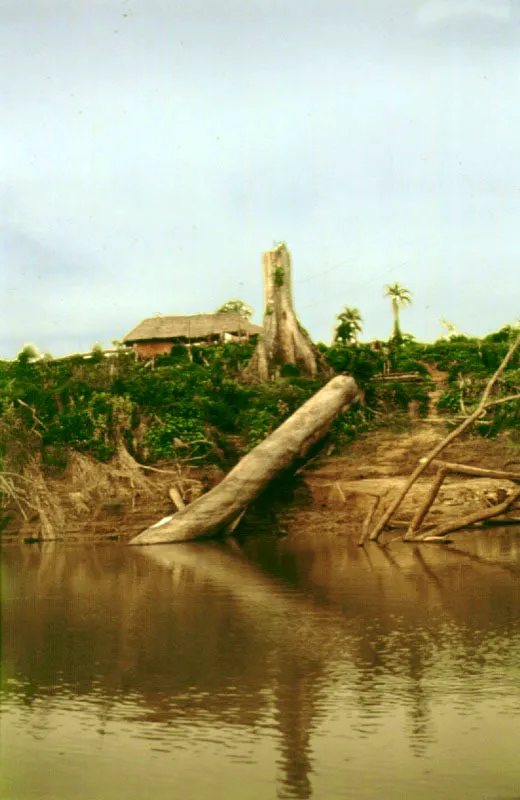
x: 279, y: 276
x: 350, y: 324
x: 199, y: 410
x: 238, y: 306
x: 177, y: 408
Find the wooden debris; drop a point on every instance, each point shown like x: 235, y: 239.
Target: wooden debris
x: 424, y: 463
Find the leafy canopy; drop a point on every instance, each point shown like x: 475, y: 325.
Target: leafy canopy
x: 238, y: 306
x: 350, y: 324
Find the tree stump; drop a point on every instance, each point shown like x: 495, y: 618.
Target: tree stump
x: 284, y: 340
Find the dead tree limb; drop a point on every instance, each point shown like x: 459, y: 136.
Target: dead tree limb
x: 422, y: 511
x: 212, y: 512
x: 425, y: 463
x: 374, y: 505
x: 470, y: 519
x: 502, y: 400
x: 476, y: 472
x: 176, y: 498
x: 231, y: 528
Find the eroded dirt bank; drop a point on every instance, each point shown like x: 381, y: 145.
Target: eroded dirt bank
x: 340, y: 489
x: 331, y: 496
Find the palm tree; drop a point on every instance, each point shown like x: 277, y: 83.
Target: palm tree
x: 350, y: 324
x: 400, y: 297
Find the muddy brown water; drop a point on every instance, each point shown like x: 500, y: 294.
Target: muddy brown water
x: 296, y: 667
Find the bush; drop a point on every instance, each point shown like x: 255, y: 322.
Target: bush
x: 182, y: 407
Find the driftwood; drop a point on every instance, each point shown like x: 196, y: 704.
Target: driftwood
x: 424, y: 463
x: 176, y: 498
x: 217, y: 509
x: 436, y: 534
x: 422, y: 511
x: 477, y: 472
x: 376, y: 499
x: 401, y: 377
x: 447, y: 468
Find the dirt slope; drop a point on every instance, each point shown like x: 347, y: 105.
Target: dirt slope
x: 378, y: 464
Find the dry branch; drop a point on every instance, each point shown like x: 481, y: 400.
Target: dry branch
x: 423, y: 510
x: 376, y: 499
x: 470, y: 519
x: 477, y: 472
x: 176, y: 498
x: 231, y: 528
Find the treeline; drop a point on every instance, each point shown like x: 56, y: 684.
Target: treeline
x: 193, y: 404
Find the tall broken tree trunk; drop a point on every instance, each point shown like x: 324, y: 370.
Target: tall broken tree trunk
x: 284, y: 340
x: 217, y: 509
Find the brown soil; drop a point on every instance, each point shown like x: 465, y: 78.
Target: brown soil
x: 440, y: 379
x: 96, y: 501
x: 99, y: 501
x: 378, y: 464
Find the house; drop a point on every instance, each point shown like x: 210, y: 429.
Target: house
x: 157, y: 335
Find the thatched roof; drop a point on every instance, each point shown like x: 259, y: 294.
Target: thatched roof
x: 197, y: 326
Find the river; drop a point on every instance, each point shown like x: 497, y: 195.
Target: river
x: 296, y: 667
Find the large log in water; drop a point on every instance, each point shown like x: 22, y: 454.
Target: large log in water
x: 217, y: 509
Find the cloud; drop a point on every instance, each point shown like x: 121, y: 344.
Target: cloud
x: 439, y: 11
x: 146, y: 171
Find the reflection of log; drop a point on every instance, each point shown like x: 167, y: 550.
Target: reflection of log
x: 217, y: 563
x: 215, y: 510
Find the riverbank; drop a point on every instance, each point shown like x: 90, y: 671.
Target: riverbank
x: 107, y: 448
x: 331, y: 495
x: 341, y: 490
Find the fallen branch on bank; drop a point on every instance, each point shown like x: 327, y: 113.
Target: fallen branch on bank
x: 401, y: 377
x: 477, y: 472
x: 469, y: 519
x: 218, y: 508
x: 424, y: 463
x: 176, y: 498
x: 450, y: 468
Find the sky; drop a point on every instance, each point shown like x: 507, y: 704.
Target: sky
x: 151, y: 150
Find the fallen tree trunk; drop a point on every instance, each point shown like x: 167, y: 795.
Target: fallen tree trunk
x: 218, y: 508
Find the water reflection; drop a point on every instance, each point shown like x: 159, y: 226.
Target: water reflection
x: 299, y: 643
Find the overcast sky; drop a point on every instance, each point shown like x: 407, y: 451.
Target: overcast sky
x: 150, y: 150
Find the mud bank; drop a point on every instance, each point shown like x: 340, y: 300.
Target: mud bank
x: 94, y: 500
x: 331, y: 496
x: 340, y: 490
